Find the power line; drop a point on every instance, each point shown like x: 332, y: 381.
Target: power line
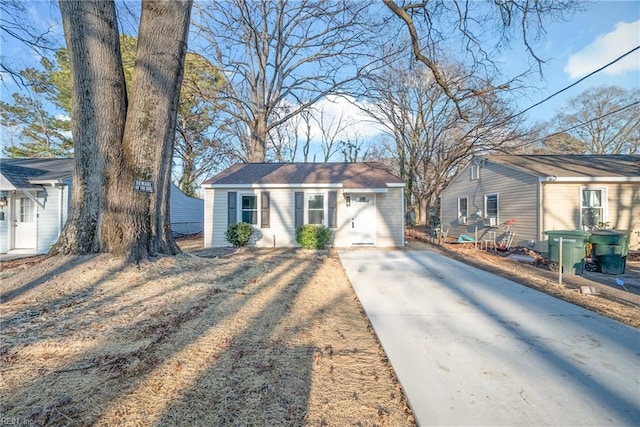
x: 602, y: 116
x: 576, y: 82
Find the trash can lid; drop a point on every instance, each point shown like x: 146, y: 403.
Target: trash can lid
x: 609, y: 232
x: 566, y: 232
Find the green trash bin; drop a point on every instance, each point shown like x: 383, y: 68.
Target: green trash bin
x: 573, y: 250
x: 609, y: 250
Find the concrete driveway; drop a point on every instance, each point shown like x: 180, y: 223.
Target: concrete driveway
x: 471, y: 348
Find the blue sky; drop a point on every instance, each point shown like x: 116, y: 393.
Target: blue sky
x: 587, y: 41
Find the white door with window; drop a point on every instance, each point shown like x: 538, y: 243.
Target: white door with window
x: 363, y: 219
x: 26, y: 228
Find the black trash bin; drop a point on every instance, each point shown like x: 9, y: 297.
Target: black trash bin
x: 573, y: 250
x: 609, y: 250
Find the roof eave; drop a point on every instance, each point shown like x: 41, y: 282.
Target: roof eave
x: 590, y: 179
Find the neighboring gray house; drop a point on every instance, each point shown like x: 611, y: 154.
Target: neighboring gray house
x: 34, y: 203
x: 363, y: 203
x: 187, y: 213
x: 530, y: 194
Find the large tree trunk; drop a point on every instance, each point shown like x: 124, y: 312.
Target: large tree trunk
x: 259, y: 139
x: 98, y: 117
x: 139, y: 223
x: 120, y: 219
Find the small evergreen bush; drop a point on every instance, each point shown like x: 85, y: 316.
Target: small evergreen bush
x: 311, y: 236
x: 238, y: 233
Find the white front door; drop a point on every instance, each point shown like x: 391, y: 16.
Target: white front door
x: 26, y: 232
x: 363, y: 219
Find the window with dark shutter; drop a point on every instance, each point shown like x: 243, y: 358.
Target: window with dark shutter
x: 333, y: 209
x: 299, y: 209
x: 232, y: 207
x: 264, y: 209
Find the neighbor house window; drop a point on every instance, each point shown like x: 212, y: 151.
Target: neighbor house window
x: 462, y: 210
x: 249, y: 206
x: 475, y: 172
x: 592, y: 211
x: 315, y: 209
x: 491, y: 209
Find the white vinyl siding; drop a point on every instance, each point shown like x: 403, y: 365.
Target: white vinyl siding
x: 48, y: 217
x: 390, y: 218
x: 281, y: 233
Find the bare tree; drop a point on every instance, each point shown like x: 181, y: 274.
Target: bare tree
x: 431, y: 139
x: 355, y: 149
x: 436, y: 26
x: 332, y: 130
x: 14, y: 25
x: 601, y: 120
x: 118, y: 141
x: 281, y: 57
x: 201, y: 146
x: 284, y: 140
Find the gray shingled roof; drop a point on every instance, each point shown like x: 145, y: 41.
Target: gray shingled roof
x: 350, y: 175
x: 572, y: 165
x: 26, y: 173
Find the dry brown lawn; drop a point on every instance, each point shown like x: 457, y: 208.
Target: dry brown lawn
x: 611, y: 300
x: 252, y: 337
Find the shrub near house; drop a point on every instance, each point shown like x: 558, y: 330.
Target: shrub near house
x: 313, y: 236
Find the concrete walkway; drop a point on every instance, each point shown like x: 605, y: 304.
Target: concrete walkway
x: 13, y: 255
x: 471, y: 348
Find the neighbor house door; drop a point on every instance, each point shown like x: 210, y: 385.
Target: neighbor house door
x: 363, y: 219
x: 26, y: 232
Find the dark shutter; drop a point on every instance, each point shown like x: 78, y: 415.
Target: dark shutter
x: 299, y: 208
x: 264, y: 209
x: 333, y: 209
x: 232, y: 207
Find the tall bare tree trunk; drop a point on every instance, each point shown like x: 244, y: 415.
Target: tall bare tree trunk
x: 114, y: 149
x: 139, y: 223
x: 259, y: 134
x: 98, y: 117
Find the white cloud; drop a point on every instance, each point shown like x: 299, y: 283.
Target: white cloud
x: 356, y: 122
x: 605, y: 49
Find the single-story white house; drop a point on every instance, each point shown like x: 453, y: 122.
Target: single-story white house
x: 363, y: 203
x: 34, y: 203
x: 530, y: 194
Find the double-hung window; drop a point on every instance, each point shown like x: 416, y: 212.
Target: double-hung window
x: 462, y: 210
x: 249, y: 205
x: 315, y: 209
x: 491, y: 209
x: 593, y: 207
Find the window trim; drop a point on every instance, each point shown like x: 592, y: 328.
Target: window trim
x: 463, y: 219
x: 605, y: 203
x: 307, y: 197
x: 475, y: 172
x: 241, y: 209
x: 487, y: 217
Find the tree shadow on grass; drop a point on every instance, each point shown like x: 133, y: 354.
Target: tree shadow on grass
x: 111, y: 355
